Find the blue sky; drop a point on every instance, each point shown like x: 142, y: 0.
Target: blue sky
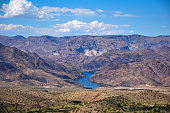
x: 84, y: 17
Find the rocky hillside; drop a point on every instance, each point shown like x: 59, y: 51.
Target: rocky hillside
x: 76, y: 50
x: 129, y: 68
x: 111, y: 57
x: 151, y: 73
x: 93, y: 53
x: 124, y: 57
x: 27, y: 69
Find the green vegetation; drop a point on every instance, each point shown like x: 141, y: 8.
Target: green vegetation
x: 122, y: 104
x: 60, y: 100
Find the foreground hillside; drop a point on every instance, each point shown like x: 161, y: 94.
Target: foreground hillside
x: 73, y: 100
x: 27, y: 69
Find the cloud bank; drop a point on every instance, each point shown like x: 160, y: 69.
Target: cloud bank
x: 74, y: 27
x: 26, y: 9
x: 23, y: 8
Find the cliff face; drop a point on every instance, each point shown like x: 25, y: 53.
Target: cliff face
x: 27, y: 69
x: 154, y: 73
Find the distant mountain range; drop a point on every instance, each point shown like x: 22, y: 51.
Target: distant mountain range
x: 121, y: 60
x: 76, y: 50
x: 18, y: 68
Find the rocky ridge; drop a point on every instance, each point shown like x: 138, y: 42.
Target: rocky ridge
x: 28, y: 69
x: 76, y: 50
x: 120, y: 57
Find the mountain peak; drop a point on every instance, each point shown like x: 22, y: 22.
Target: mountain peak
x: 19, y: 37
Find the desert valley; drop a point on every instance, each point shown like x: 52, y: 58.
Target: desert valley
x: 43, y: 73
x: 84, y: 56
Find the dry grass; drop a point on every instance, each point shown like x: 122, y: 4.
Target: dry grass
x: 77, y: 100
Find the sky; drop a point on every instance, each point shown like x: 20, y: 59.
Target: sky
x: 84, y: 17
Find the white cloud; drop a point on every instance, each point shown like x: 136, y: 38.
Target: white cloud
x: 120, y: 14
x: 76, y: 11
x: 64, y: 30
x: 93, y: 26
x: 74, y: 27
x: 123, y: 15
x: 79, y: 11
x: 12, y: 27
x: 28, y: 10
x: 22, y: 8
x: 100, y: 10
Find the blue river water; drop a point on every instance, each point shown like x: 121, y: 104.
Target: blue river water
x: 85, y: 81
